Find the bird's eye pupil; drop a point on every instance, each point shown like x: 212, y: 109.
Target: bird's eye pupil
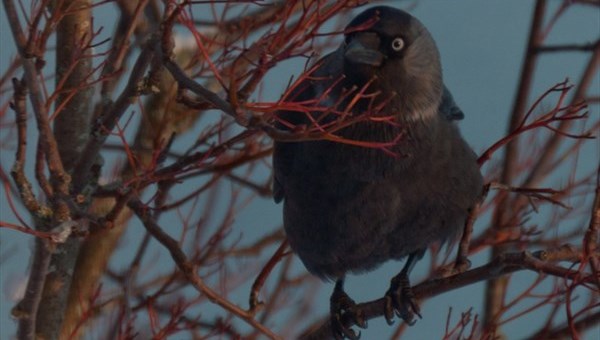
x: 397, y: 44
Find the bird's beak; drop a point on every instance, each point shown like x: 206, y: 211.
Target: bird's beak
x: 362, y: 49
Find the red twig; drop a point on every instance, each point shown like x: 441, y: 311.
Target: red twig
x: 262, y: 276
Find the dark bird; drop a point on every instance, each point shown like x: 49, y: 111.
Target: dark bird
x: 409, y: 182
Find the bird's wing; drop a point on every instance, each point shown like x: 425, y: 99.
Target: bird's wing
x: 448, y: 107
x: 284, y: 153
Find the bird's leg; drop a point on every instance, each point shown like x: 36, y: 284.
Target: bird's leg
x: 340, y: 304
x: 399, y: 298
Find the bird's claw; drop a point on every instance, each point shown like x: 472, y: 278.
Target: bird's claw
x: 340, y: 331
x: 399, y: 300
x: 342, y: 304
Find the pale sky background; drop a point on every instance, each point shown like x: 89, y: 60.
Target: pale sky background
x: 482, y: 45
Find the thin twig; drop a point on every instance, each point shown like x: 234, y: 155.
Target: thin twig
x: 262, y: 276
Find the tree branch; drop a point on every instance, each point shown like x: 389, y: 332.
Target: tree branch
x: 541, y: 262
x: 495, y: 289
x: 189, y: 269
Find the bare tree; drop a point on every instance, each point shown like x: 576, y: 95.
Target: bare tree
x: 146, y: 128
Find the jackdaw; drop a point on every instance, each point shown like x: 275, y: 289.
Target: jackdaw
x: 393, y: 181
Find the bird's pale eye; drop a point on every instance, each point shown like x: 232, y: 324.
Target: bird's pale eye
x: 397, y: 44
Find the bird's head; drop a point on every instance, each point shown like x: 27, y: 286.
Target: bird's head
x: 394, y: 51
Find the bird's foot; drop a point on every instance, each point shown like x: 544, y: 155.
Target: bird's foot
x: 341, y: 304
x: 399, y: 300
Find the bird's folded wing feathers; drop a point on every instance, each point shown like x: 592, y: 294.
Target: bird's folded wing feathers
x: 448, y: 107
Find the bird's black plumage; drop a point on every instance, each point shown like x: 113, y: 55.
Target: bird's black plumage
x: 350, y: 208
